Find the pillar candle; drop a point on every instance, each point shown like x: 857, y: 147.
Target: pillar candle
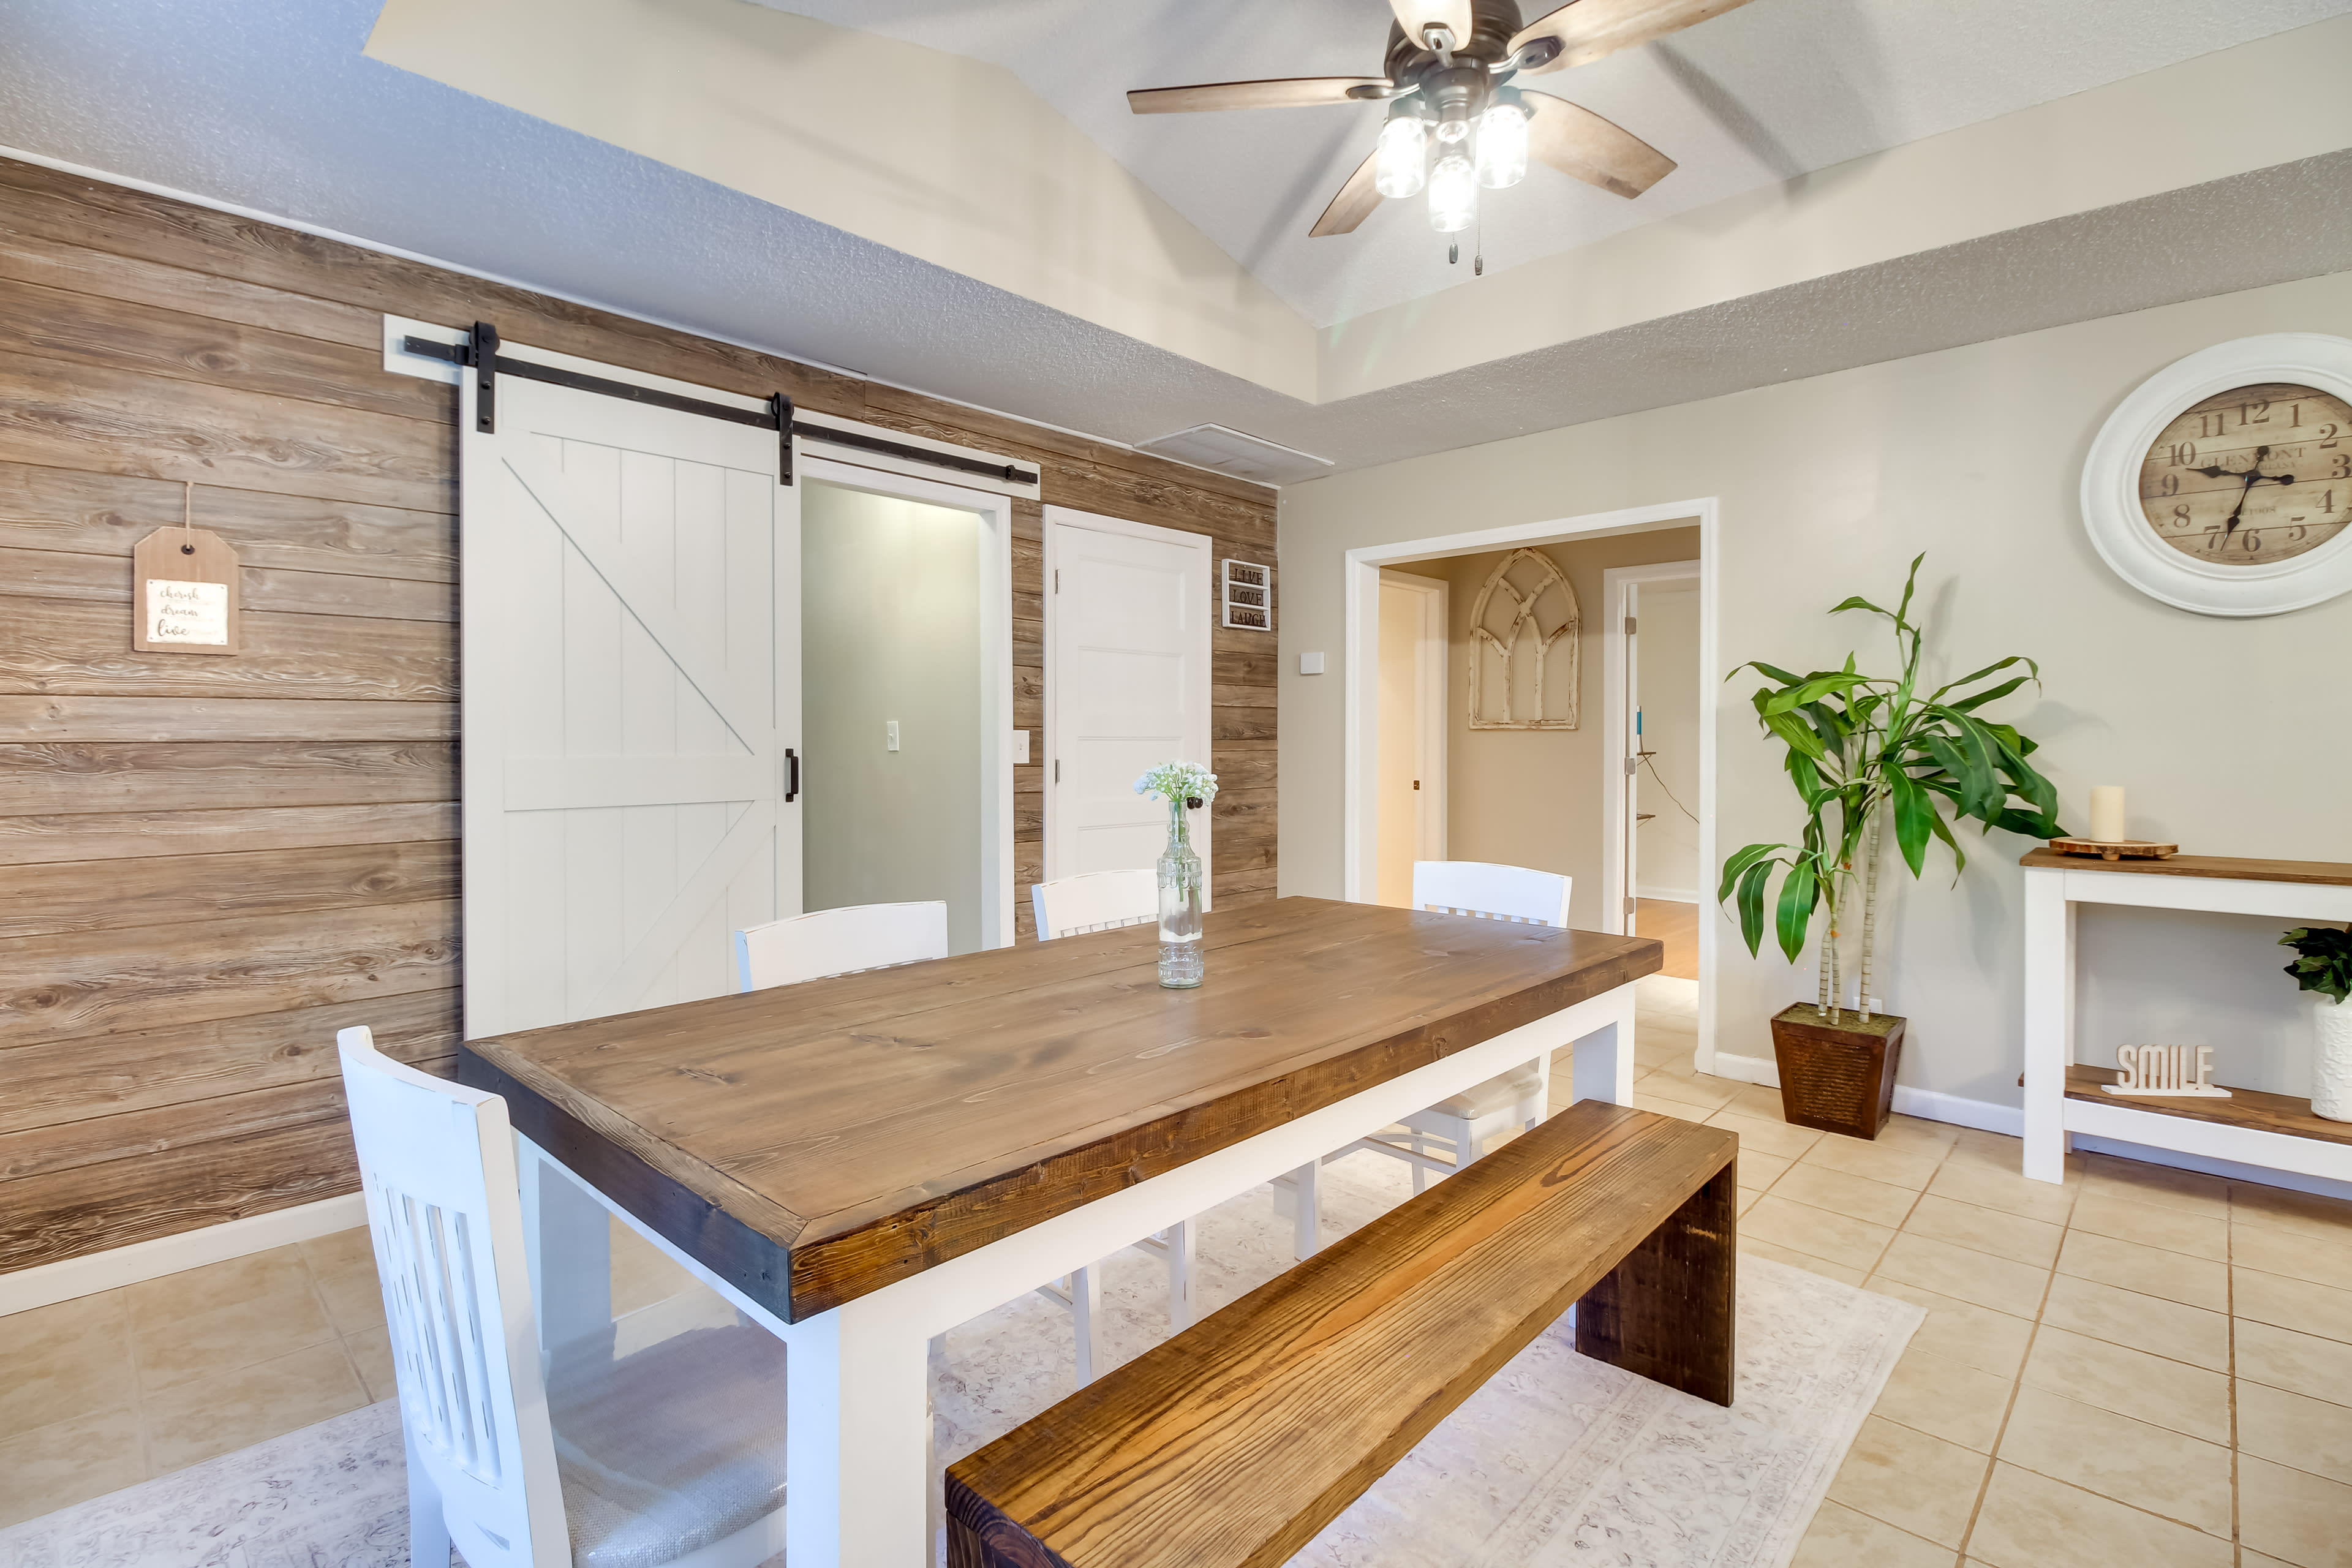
x: 2108, y: 813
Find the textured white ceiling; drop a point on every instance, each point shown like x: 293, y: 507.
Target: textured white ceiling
x: 270, y: 105
x: 1777, y: 88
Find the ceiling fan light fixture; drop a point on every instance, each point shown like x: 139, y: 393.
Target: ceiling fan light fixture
x: 1502, y: 145
x: 1403, y: 156
x: 1453, y: 195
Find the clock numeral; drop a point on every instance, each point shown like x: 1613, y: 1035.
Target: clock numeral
x: 2180, y: 518
x: 2300, y: 532
x: 2170, y: 484
x: 2327, y: 437
x: 2343, y: 467
x: 2262, y: 412
x: 2184, y: 454
x: 2212, y: 425
x: 2326, y: 501
x: 2254, y: 540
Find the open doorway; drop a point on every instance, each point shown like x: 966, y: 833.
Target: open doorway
x: 1412, y: 727
x: 1650, y: 773
x: 901, y: 711
x: 1538, y: 711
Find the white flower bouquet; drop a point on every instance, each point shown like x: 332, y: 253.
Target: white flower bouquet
x: 1180, y: 783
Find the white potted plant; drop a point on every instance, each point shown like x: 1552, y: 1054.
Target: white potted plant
x: 2323, y: 966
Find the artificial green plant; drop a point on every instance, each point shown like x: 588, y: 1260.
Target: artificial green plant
x: 1860, y: 746
x: 2324, y: 959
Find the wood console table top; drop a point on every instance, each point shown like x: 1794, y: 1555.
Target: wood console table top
x: 811, y: 1143
x: 2323, y: 873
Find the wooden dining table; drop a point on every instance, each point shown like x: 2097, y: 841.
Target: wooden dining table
x: 859, y: 1164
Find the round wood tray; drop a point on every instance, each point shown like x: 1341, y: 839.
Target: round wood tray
x: 2117, y: 850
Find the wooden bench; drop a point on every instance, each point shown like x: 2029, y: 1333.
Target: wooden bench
x: 1233, y: 1443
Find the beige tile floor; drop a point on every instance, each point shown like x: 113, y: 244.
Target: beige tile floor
x: 2140, y: 1369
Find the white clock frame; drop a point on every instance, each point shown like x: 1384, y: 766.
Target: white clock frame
x: 2111, y: 504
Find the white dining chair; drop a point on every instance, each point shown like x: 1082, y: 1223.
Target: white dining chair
x: 847, y: 940
x: 1456, y: 1128
x: 672, y: 1455
x: 1094, y: 901
x: 1070, y: 906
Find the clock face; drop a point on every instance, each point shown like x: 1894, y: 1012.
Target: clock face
x: 2251, y: 476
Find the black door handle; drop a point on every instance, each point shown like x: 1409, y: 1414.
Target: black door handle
x: 792, y: 775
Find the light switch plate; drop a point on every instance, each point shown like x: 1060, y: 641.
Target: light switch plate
x: 890, y: 733
x: 1310, y: 664
x: 1020, y: 745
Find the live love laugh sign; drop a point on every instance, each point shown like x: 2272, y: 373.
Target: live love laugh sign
x: 184, y: 588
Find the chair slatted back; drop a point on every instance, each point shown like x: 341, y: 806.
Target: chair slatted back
x: 1094, y: 901
x: 845, y: 941
x: 437, y: 1164
x: 1489, y: 891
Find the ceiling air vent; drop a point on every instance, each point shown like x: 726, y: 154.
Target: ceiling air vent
x: 1243, y: 457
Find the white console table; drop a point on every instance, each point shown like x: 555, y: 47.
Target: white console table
x: 2273, y: 1130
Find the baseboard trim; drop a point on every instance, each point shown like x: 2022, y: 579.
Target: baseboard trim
x: 1668, y: 895
x: 46, y: 1284
x: 1933, y: 1105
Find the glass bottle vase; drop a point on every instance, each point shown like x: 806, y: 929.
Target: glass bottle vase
x: 1180, y: 964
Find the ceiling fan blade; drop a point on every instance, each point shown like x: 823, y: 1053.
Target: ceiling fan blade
x: 1354, y: 203
x: 1589, y: 30
x: 1578, y: 142
x: 1417, y: 17
x: 1292, y: 92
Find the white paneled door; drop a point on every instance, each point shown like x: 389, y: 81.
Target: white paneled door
x: 1127, y: 610
x: 631, y: 684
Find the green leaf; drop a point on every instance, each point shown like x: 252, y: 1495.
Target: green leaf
x: 1737, y: 864
x: 1913, y: 812
x: 1797, y: 735
x: 1858, y: 603
x: 1770, y: 671
x: 1909, y: 583
x: 1798, y: 896
x: 1970, y: 704
x: 1751, y: 904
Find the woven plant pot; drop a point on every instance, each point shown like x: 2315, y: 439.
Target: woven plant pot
x: 1836, y: 1076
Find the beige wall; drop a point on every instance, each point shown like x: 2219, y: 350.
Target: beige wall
x: 1532, y: 797
x: 891, y: 629
x: 2232, y: 735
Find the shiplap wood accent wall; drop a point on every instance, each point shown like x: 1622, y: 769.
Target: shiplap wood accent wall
x: 209, y: 864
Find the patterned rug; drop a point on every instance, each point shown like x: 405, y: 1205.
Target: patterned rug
x: 1557, y: 1459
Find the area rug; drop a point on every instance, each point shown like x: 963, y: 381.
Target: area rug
x: 1557, y: 1459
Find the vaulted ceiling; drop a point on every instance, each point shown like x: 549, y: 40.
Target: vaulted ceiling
x: 1775, y: 90
x: 951, y: 194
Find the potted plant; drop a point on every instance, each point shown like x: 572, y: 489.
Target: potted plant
x: 1861, y: 747
x: 2323, y: 966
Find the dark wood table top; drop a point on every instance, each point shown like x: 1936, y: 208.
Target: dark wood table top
x: 813, y: 1142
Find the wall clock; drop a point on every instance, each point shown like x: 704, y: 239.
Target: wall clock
x: 2223, y: 484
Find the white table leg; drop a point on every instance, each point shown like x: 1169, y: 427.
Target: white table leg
x: 570, y: 1252
x: 857, y: 1443
x: 1605, y: 1058
x: 2049, y: 1021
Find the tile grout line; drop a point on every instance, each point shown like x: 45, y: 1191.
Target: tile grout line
x: 2017, y: 1384
x: 2229, y: 1301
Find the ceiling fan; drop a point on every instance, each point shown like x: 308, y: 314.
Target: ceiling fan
x: 1450, y: 65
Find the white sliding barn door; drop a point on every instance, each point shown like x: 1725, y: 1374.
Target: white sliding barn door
x: 1127, y: 684
x: 631, y: 640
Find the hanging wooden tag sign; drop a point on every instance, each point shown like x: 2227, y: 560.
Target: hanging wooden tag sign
x: 183, y: 593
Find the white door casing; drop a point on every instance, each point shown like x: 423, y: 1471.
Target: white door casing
x: 1128, y: 652
x: 1621, y: 685
x: 630, y: 631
